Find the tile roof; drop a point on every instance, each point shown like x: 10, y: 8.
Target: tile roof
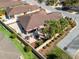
x: 37, y: 19
x: 21, y: 9
x: 8, y: 3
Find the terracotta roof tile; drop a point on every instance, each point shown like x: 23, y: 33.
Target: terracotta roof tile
x: 8, y: 3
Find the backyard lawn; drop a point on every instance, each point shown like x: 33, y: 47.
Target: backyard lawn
x: 18, y: 45
x: 57, y: 53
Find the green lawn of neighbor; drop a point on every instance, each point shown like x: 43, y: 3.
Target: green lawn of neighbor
x: 27, y: 55
x: 18, y: 45
x: 57, y: 53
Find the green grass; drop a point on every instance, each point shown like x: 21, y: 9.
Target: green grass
x: 4, y: 31
x: 57, y: 53
x: 18, y: 45
x: 27, y: 55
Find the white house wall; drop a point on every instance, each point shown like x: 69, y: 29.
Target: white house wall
x: 17, y: 15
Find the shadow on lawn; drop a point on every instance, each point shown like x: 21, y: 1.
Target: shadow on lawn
x: 52, y: 56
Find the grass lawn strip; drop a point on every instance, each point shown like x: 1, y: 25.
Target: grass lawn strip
x: 18, y: 45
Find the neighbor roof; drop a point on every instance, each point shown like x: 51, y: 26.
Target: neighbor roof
x: 8, y: 3
x: 21, y: 9
x: 7, y: 49
x: 37, y: 19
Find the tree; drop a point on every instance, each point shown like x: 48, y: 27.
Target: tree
x: 52, y: 56
x: 27, y: 48
x: 12, y: 36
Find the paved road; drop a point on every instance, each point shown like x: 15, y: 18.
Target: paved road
x: 73, y: 33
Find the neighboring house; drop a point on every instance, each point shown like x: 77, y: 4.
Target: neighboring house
x: 7, y: 49
x: 21, y: 10
x: 9, y: 3
x: 36, y: 20
x: 4, y: 4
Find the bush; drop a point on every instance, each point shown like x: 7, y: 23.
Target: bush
x: 52, y: 40
x: 38, y: 43
x: 47, y: 45
x: 27, y: 48
x: 44, y: 47
x: 12, y: 36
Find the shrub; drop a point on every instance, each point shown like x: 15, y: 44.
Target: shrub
x: 38, y: 43
x: 52, y: 40
x: 12, y: 36
x: 27, y: 48
x: 48, y: 45
x: 44, y: 47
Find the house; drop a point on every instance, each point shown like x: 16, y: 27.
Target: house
x: 7, y: 49
x: 5, y: 4
x: 9, y: 3
x: 31, y: 24
x: 21, y: 10
x: 14, y: 8
x: 36, y: 20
